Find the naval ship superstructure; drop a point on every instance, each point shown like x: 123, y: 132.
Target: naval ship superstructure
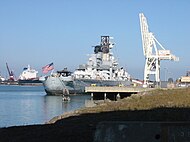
x: 101, y: 69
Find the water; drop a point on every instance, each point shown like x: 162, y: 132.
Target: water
x: 26, y: 105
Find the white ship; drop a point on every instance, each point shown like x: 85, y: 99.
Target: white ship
x: 29, y: 77
x: 2, y: 78
x: 102, y: 69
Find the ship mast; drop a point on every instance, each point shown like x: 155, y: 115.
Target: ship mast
x: 106, y: 45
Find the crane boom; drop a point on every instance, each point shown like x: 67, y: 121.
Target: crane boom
x: 11, y: 75
x: 8, y: 69
x: 146, y: 37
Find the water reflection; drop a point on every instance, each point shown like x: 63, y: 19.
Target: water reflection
x: 30, y: 105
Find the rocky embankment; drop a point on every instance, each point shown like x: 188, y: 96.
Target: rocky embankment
x: 80, y: 126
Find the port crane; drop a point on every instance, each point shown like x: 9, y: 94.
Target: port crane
x: 11, y: 74
x: 153, y: 54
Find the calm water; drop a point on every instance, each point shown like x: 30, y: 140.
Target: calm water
x: 25, y: 105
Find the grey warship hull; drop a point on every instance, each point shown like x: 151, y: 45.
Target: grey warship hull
x: 57, y: 86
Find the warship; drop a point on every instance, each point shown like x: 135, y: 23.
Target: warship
x: 101, y: 69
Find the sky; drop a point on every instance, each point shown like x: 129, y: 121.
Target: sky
x: 38, y: 32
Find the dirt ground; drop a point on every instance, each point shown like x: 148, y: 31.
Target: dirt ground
x: 80, y: 126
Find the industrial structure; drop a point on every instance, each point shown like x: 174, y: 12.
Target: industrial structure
x: 152, y: 54
x: 11, y: 74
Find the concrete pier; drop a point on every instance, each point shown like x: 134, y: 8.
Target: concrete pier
x: 115, y: 89
x: 113, y: 92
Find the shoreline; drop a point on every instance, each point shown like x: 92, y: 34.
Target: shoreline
x: 133, y: 103
x: 160, y: 105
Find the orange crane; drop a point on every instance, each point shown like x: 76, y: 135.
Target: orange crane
x: 11, y: 74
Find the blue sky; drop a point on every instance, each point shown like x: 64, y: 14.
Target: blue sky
x: 38, y: 32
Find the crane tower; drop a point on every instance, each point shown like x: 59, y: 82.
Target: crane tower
x: 152, y: 54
